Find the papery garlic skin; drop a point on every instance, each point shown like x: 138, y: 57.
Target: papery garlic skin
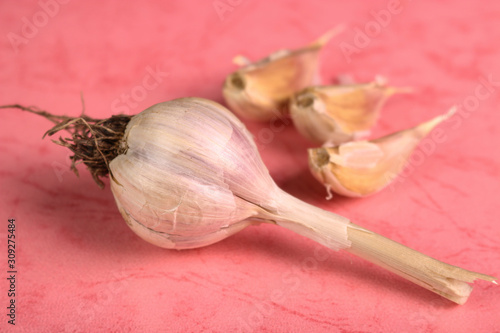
x: 260, y: 91
x: 339, y: 113
x: 362, y: 168
x: 192, y: 175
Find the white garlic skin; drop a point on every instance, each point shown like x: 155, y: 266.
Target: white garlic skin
x: 178, y: 185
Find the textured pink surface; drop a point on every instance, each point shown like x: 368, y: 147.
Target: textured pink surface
x: 80, y: 269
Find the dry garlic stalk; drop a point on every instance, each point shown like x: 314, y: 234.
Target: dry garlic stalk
x: 361, y: 168
x: 339, y: 113
x: 187, y: 173
x: 260, y: 91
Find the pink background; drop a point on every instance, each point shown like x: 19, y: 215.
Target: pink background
x: 80, y: 269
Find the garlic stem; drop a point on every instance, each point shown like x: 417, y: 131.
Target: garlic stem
x: 337, y: 232
x: 446, y: 280
x: 326, y: 228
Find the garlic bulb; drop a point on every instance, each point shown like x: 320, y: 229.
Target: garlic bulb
x: 191, y: 176
x: 260, y: 91
x: 361, y: 168
x: 186, y: 173
x: 339, y: 113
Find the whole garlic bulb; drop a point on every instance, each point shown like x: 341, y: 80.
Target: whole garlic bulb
x: 191, y: 175
x: 186, y: 173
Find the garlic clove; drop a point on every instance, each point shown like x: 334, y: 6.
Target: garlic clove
x: 362, y: 168
x: 340, y: 113
x: 260, y: 91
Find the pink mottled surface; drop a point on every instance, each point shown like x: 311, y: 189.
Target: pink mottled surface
x: 80, y: 269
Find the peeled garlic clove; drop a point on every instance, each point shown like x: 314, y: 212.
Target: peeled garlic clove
x: 260, y: 91
x: 339, y: 113
x: 361, y: 168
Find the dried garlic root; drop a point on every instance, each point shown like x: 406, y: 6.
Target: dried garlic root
x: 339, y: 113
x: 260, y: 91
x: 362, y: 168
